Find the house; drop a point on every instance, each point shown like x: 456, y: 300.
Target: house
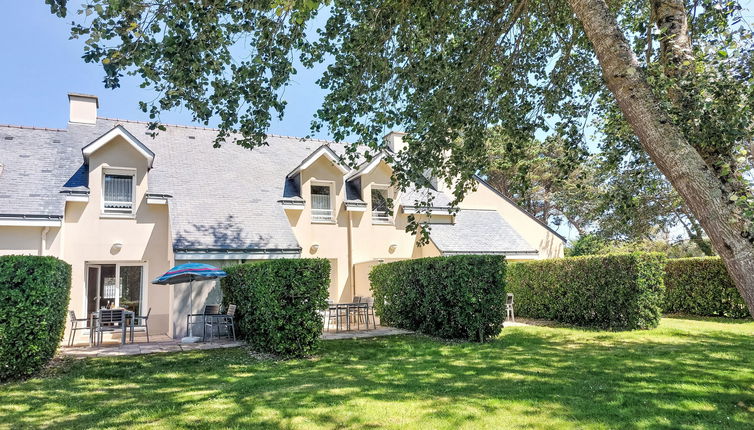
x: 122, y: 207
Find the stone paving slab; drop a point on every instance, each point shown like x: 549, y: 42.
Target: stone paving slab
x: 144, y: 348
x: 359, y: 334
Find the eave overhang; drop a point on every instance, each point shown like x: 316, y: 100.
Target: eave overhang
x: 118, y: 131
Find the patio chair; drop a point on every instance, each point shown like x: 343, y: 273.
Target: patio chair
x: 335, y: 312
x: 355, y: 310
x: 142, y: 322
x: 367, y: 311
x: 509, y: 307
x: 75, y: 325
x: 226, y: 320
x: 328, y: 314
x: 109, y: 320
x: 209, y: 320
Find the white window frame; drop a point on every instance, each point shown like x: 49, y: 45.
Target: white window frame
x: 383, y: 218
x: 118, y: 264
x: 112, y: 212
x: 321, y: 216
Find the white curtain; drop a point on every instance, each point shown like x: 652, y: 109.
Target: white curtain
x: 119, y: 188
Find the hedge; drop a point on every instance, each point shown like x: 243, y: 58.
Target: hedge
x: 279, y: 303
x: 615, y: 292
x: 702, y: 286
x: 459, y: 297
x: 34, y: 293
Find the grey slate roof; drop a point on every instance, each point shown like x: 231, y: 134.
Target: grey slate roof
x: 414, y: 194
x: 222, y: 198
x: 479, y: 232
x: 34, y: 159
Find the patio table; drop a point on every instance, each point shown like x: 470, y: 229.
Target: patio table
x: 129, y: 316
x: 348, y: 308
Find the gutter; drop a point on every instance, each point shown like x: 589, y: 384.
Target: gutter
x: 235, y: 254
x: 26, y: 220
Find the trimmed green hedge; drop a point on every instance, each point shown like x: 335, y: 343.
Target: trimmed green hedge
x: 34, y: 294
x: 702, y: 286
x: 460, y: 297
x: 279, y: 303
x: 616, y: 292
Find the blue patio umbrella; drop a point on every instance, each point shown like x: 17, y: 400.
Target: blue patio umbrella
x: 190, y: 272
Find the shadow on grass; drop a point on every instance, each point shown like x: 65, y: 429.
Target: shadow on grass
x: 723, y: 320
x: 536, y: 376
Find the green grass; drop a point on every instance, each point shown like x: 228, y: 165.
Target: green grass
x: 689, y: 373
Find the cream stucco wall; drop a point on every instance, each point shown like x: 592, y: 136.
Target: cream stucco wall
x: 352, y: 242
x: 145, y: 236
x: 28, y: 240
x: 83, y: 109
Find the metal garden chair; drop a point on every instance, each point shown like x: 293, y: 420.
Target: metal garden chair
x: 109, y: 320
x: 142, y: 322
x: 75, y: 325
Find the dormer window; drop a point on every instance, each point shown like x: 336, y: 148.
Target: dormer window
x: 118, y: 194
x: 322, y: 203
x: 380, y: 206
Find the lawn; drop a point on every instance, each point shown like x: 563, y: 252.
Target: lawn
x: 689, y: 373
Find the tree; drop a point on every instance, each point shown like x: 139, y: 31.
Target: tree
x: 615, y: 194
x: 446, y: 71
x: 548, y: 178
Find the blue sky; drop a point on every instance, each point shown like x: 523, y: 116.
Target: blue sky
x: 40, y: 66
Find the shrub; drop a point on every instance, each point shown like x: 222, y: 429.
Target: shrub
x: 279, y: 302
x: 702, y: 286
x: 616, y: 292
x: 34, y: 293
x: 460, y: 297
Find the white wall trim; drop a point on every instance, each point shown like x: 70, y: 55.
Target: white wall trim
x: 325, y: 151
x: 157, y: 201
x: 233, y: 256
x: 30, y: 223
x: 116, y: 131
x: 77, y: 198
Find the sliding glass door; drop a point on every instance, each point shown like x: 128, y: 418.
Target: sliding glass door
x: 115, y: 285
x: 130, y: 288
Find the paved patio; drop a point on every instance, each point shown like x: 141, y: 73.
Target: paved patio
x: 162, y: 343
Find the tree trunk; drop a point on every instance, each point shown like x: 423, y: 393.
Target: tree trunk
x: 675, y: 157
x: 675, y: 44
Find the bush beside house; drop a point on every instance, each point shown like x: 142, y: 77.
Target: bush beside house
x: 616, y: 292
x: 279, y: 303
x: 459, y: 297
x: 34, y: 294
x: 702, y: 286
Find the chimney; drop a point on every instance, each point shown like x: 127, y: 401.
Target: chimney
x: 394, y: 140
x: 83, y: 108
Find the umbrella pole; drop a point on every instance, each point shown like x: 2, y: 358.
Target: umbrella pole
x: 190, y: 338
x: 191, y: 306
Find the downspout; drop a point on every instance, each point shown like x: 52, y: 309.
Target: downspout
x: 351, y: 271
x: 44, y: 241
